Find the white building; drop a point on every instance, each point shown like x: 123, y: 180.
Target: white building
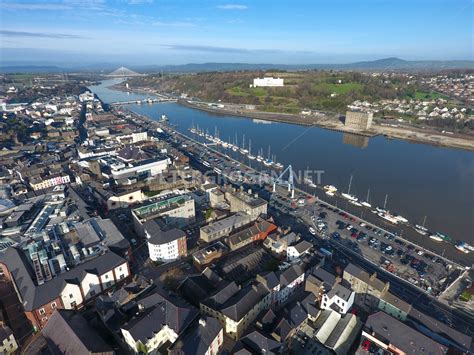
x: 294, y: 252
x: 339, y: 299
x: 8, y: 344
x: 165, y: 246
x: 175, y: 210
x: 51, y: 181
x: 267, y: 82
x: 290, y: 280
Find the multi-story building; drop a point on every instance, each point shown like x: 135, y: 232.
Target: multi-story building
x: 338, y: 298
x: 236, y: 307
x: 291, y: 280
x: 165, y: 245
x: 257, y: 231
x: 41, y: 183
x: 358, y: 120
x: 268, y: 82
x: 395, y: 337
x: 241, y: 201
x: 175, y: 211
x: 68, y: 332
x: 368, y: 288
x: 8, y: 344
x: 205, y: 336
x: 69, y: 289
x: 159, y: 320
x: 224, y: 227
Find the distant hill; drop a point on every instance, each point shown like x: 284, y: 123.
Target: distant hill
x: 31, y: 69
x: 380, y: 64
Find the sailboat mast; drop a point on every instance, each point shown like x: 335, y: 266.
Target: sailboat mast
x: 350, y: 183
x: 368, y: 194
x: 385, y: 203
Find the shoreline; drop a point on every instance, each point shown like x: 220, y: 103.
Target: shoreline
x: 444, y: 250
x: 410, y: 135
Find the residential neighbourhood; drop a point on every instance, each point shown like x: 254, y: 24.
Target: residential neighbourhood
x: 112, y: 233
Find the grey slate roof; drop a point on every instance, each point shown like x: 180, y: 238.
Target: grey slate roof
x: 197, y: 338
x: 35, y: 296
x: 303, y: 246
x: 290, y: 275
x: 402, y: 336
x: 67, y: 332
x: 242, y: 302
x: 216, y: 300
x: 340, y: 291
x: 159, y: 236
x: 160, y: 311
x: 257, y: 343
x: 462, y: 340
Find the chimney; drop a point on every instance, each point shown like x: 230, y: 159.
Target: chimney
x: 202, y: 322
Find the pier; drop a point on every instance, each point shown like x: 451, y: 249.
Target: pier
x: 144, y: 101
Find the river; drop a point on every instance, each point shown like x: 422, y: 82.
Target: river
x: 416, y: 180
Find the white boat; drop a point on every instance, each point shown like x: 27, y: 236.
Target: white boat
x: 366, y: 202
x: 217, y: 170
x: 312, y: 184
x: 388, y: 217
x: 355, y: 203
x: 224, y: 144
x: 330, y: 188
x: 462, y: 246
x: 436, y: 237
x: 308, y: 181
x: 348, y: 195
x: 205, y: 163
x: 279, y: 165
x: 268, y: 161
x: 421, y: 229
x: 250, y: 155
x: 330, y: 193
x: 401, y: 219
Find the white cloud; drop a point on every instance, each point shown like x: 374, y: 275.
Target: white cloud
x: 232, y: 7
x: 174, y: 24
x: 139, y: 2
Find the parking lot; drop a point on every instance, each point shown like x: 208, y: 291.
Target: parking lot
x: 388, y: 250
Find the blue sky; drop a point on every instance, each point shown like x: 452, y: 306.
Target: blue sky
x: 259, y: 31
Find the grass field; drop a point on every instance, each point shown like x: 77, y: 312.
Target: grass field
x: 340, y: 89
x: 421, y: 95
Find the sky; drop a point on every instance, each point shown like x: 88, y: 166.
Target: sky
x: 145, y: 32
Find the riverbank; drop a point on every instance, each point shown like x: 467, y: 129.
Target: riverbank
x: 407, y: 233
x: 332, y: 123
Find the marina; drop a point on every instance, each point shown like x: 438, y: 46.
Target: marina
x: 406, y: 196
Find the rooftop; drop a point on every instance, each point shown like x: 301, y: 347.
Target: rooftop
x: 386, y: 328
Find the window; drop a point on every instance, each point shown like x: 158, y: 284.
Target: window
x: 41, y: 311
x: 92, y: 292
x: 71, y: 295
x: 44, y: 319
x: 122, y: 276
x: 53, y: 305
x: 106, y: 277
x: 73, y: 304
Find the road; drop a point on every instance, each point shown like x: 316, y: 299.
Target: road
x: 402, y: 288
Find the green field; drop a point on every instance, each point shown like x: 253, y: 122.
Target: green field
x: 340, y: 89
x: 421, y: 95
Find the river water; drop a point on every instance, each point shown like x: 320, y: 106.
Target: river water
x: 416, y: 180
